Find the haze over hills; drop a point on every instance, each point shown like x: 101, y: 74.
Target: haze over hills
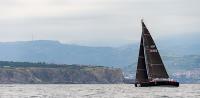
x: 178, y: 57
x: 56, y: 52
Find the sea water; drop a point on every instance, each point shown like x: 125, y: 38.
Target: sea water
x: 96, y: 91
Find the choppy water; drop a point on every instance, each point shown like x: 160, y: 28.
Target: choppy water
x: 97, y: 91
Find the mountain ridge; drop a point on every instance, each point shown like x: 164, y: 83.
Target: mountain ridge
x: 124, y: 57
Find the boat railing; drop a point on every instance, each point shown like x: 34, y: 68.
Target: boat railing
x: 163, y: 79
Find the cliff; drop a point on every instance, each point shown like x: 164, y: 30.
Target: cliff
x: 70, y: 74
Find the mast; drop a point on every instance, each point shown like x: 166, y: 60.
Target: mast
x: 154, y: 64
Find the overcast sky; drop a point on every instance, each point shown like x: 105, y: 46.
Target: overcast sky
x: 96, y: 22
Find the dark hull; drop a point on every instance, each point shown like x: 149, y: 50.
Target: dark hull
x: 158, y: 83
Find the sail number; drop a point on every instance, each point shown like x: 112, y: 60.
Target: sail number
x: 153, y: 50
x: 153, y: 46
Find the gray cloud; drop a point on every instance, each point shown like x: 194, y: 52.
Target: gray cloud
x: 96, y: 22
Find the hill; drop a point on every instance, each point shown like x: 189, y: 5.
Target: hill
x: 55, y: 52
x: 178, y: 56
x: 34, y: 73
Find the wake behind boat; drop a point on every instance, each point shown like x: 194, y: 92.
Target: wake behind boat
x: 150, y: 68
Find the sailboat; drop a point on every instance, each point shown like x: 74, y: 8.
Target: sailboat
x: 150, y: 68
